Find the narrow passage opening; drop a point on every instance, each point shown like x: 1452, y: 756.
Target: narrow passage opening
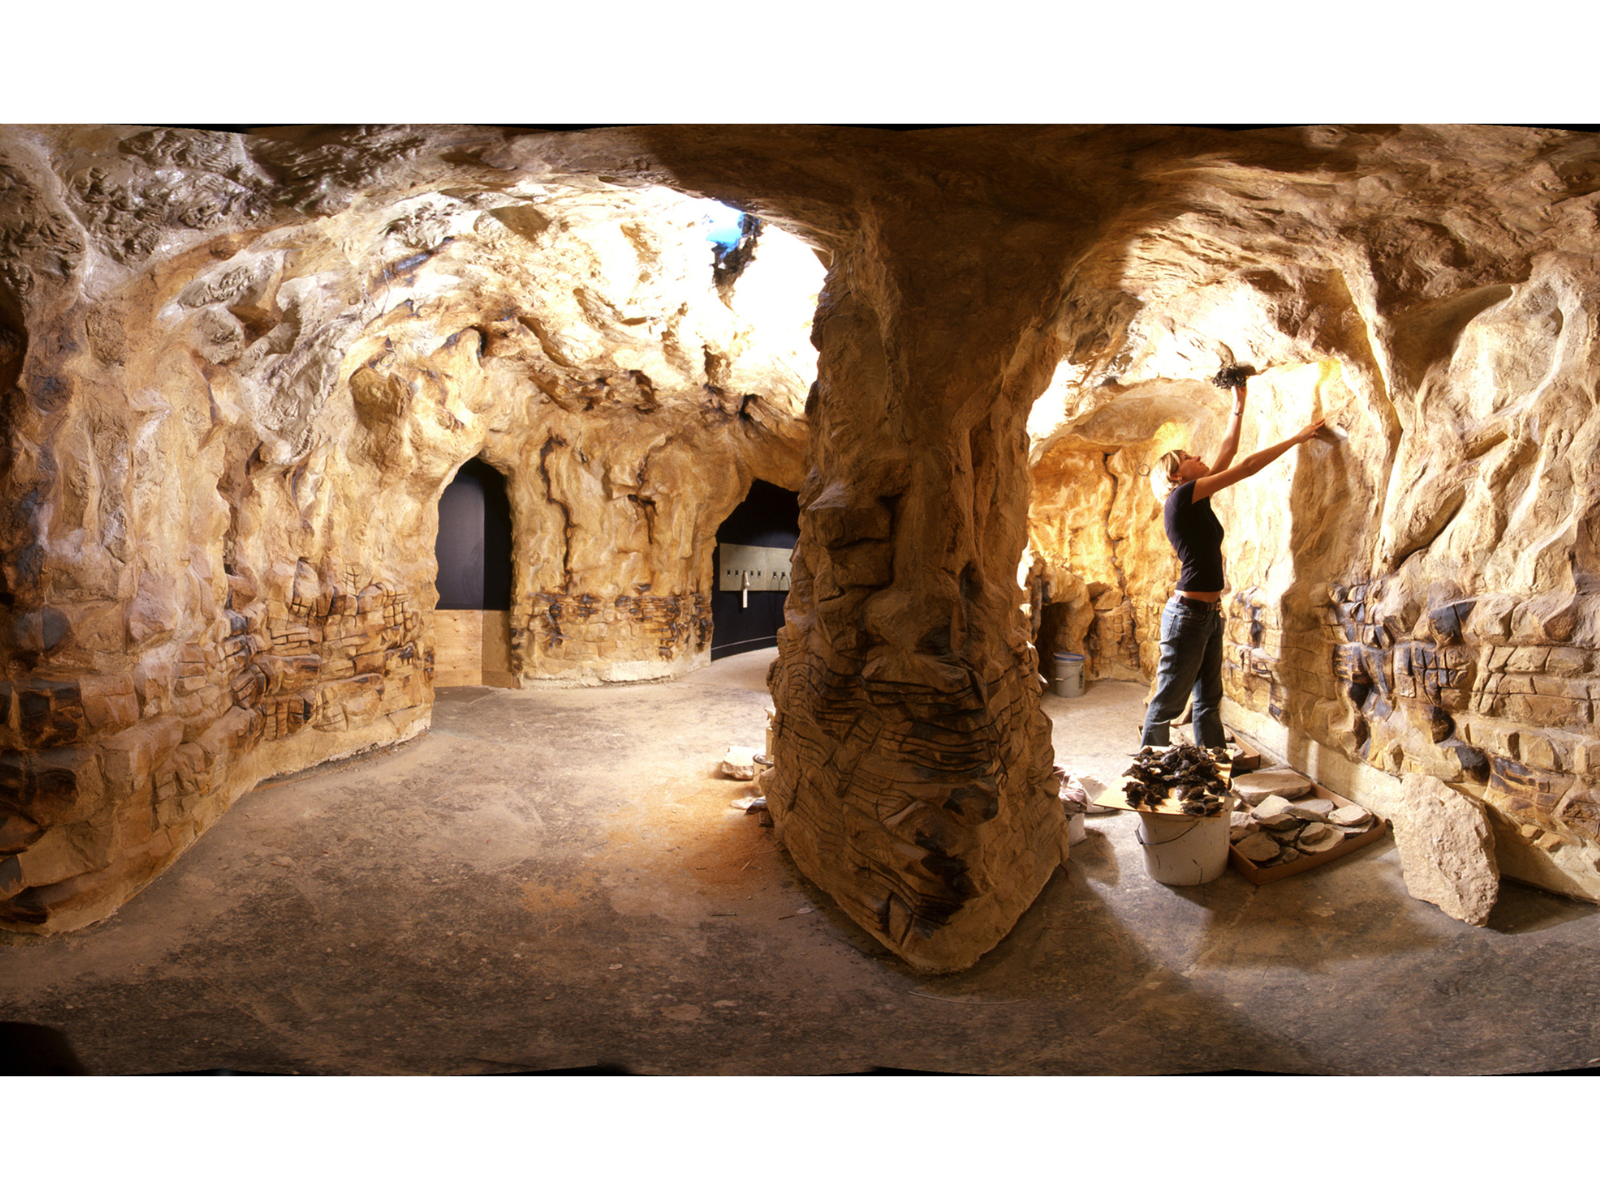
x: 473, y: 547
x: 472, y: 621
x: 768, y: 518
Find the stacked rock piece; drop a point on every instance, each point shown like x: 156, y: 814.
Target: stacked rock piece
x: 1278, y: 823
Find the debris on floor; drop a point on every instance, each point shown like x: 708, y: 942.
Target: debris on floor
x: 1074, y: 803
x: 740, y: 762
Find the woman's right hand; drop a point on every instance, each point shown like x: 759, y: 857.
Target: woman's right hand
x: 1309, y: 432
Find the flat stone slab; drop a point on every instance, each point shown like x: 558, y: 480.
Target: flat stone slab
x: 1258, y: 785
x: 1446, y: 849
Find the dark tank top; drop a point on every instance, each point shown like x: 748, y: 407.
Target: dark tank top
x: 1196, y: 535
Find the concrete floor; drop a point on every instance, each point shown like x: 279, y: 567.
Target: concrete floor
x: 555, y: 881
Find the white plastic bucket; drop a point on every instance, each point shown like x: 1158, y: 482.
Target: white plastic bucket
x: 1069, y: 675
x: 1185, y: 850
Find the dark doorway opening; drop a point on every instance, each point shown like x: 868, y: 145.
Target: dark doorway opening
x: 473, y: 548
x: 767, y: 516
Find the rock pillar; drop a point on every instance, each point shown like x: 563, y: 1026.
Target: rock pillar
x: 913, y: 764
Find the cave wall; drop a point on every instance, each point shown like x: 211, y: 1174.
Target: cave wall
x: 1416, y: 596
x: 238, y: 374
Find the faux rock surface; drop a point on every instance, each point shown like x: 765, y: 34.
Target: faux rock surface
x: 237, y: 371
x: 1447, y: 850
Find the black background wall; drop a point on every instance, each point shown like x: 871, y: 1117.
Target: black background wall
x: 474, y: 542
x: 767, y: 516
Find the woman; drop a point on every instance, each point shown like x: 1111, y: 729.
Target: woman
x: 1191, y: 623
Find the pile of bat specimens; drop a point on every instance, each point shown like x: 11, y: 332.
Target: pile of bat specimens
x: 1279, y: 829
x: 1189, y: 774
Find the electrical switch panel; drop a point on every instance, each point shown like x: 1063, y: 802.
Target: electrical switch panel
x: 753, y: 568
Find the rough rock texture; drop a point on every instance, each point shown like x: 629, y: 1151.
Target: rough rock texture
x: 237, y: 372
x: 1419, y: 593
x: 1447, y: 849
x: 914, y: 768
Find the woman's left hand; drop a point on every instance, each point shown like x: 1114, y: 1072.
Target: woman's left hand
x: 1309, y: 432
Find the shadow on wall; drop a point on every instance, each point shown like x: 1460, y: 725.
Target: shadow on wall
x: 768, y: 516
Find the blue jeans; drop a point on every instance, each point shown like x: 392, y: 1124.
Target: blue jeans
x: 1191, y: 664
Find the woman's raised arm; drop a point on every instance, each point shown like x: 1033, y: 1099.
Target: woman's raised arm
x: 1209, y: 485
x: 1230, y: 440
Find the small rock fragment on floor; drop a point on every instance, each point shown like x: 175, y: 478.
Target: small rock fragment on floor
x: 1268, y: 806
x: 1282, y: 820
x: 740, y: 762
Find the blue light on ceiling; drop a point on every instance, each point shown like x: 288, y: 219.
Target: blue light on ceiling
x: 723, y: 225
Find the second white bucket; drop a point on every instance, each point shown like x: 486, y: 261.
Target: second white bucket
x: 1185, y: 850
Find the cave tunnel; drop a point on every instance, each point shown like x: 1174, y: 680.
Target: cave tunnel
x: 251, y: 373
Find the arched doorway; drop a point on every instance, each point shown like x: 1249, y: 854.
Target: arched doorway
x: 769, y: 517
x: 472, y: 621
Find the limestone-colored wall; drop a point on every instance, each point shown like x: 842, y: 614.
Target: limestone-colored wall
x: 237, y: 373
x: 1417, y: 595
